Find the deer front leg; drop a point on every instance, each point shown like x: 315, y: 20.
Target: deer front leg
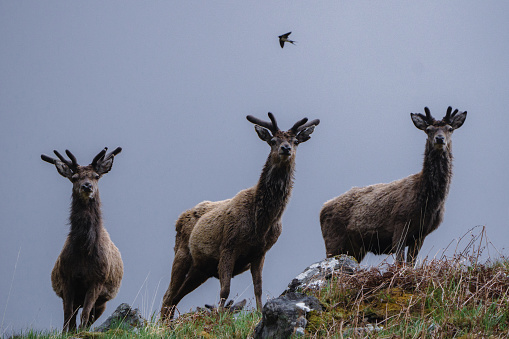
x: 256, y: 273
x: 399, y: 243
x: 413, y: 250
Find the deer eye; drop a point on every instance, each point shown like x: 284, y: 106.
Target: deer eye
x: 430, y: 129
x: 74, y: 177
x: 451, y: 129
x: 272, y: 142
x: 96, y: 176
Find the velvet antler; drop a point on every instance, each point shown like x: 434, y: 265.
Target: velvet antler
x: 271, y: 126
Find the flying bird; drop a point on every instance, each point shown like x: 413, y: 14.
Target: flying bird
x: 284, y: 38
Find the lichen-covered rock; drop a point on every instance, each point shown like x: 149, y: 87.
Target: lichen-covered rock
x: 124, y: 316
x: 316, y: 275
x: 286, y: 315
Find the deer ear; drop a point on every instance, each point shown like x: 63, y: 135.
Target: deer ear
x: 458, y: 120
x: 305, y: 134
x: 104, y: 166
x: 63, y: 169
x: 419, y: 121
x: 263, y: 133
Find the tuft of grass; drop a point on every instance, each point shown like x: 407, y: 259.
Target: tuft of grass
x: 215, y: 324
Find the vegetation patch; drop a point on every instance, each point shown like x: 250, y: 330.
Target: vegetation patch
x: 449, y: 298
x: 446, y: 298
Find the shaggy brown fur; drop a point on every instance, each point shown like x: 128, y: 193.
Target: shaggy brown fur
x: 89, y: 270
x: 224, y: 238
x: 385, y: 218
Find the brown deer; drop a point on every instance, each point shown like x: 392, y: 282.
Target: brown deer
x: 385, y: 218
x: 89, y: 270
x: 224, y: 238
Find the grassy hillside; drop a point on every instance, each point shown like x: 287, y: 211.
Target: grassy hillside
x: 454, y: 297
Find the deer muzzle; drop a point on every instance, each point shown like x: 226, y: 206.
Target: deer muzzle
x: 87, y: 187
x: 285, y: 149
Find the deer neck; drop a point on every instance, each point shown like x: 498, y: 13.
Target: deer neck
x: 86, y: 223
x: 436, y: 178
x: 272, y: 193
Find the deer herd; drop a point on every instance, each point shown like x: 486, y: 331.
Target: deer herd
x: 224, y: 238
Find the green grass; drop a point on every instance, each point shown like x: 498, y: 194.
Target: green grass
x: 200, y: 324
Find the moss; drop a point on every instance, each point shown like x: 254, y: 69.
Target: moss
x: 318, y: 321
x: 389, y: 303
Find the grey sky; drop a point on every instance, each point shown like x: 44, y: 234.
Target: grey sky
x: 172, y: 82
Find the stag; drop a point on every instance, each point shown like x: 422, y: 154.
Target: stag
x: 385, y: 218
x: 89, y: 270
x: 224, y: 238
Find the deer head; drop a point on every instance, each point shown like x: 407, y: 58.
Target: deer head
x: 439, y: 131
x: 283, y: 144
x: 83, y: 178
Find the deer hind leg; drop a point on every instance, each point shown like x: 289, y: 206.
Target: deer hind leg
x: 353, y: 245
x: 96, y: 312
x: 89, y: 302
x: 179, y: 271
x: 192, y: 281
x: 225, y: 270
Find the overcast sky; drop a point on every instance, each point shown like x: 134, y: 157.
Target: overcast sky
x: 172, y: 82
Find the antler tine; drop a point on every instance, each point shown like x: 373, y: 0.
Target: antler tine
x: 429, y: 118
x: 448, y: 114
x: 274, y: 122
x: 64, y: 160
x: 260, y: 122
x: 296, y: 127
x: 99, y: 157
x: 310, y: 123
x: 48, y: 159
x: 72, y: 157
x: 113, y: 153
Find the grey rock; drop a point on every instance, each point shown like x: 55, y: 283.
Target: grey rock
x: 315, y: 276
x: 368, y: 329
x: 124, y: 316
x: 286, y: 315
x: 229, y: 306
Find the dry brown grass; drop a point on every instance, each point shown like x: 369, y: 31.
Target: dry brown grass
x: 441, y: 298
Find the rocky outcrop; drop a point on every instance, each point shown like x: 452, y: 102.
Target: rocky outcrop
x: 315, y: 276
x: 123, y: 317
x: 286, y: 315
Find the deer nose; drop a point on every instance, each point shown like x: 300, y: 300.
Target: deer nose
x: 87, y: 187
x: 286, y: 148
x: 439, y: 139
